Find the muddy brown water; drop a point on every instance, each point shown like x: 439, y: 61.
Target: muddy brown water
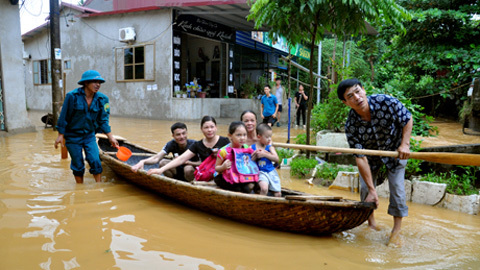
x: 49, y: 222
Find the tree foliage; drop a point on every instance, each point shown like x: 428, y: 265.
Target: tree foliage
x: 309, y: 20
x: 438, y: 53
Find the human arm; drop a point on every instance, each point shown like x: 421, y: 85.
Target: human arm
x: 261, y: 111
x: 271, y: 155
x: 193, y: 163
x: 404, y: 148
x: 222, y: 165
x: 112, y: 140
x: 365, y: 172
x: 151, y: 160
x: 304, y: 95
x: 63, y: 119
x: 174, y: 163
x: 59, y: 140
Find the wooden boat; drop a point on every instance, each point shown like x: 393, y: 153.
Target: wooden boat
x: 296, y: 212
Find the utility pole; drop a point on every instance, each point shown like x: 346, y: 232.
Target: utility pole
x: 56, y: 60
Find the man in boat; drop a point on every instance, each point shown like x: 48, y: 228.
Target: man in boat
x: 379, y: 122
x: 179, y: 144
x: 85, y: 111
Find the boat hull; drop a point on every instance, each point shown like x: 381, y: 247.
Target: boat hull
x: 306, y: 217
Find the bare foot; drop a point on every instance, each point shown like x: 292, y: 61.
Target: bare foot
x: 395, y: 240
x: 375, y: 227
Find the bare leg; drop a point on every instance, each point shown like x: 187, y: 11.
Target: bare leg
x: 372, y: 223
x: 277, y: 194
x: 79, y: 179
x: 395, y: 236
x: 98, y: 177
x: 170, y: 173
x: 188, y: 172
x: 263, y: 187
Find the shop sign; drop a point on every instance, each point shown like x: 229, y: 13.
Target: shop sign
x: 177, y: 44
x: 230, y: 89
x: 281, y: 44
x: 205, y: 28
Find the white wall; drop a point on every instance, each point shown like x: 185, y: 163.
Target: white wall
x: 15, y: 109
x: 90, y: 44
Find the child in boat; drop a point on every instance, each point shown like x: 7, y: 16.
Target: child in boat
x: 237, y: 132
x: 265, y: 155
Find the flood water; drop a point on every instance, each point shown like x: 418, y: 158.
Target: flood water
x: 49, y: 222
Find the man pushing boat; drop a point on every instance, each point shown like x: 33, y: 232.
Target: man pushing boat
x: 379, y: 122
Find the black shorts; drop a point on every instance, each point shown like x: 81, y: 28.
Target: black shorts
x: 269, y: 119
x: 279, y: 108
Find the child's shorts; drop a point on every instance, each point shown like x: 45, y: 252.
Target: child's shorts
x: 273, y: 180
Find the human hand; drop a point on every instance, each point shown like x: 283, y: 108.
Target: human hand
x: 155, y: 171
x: 259, y: 153
x: 403, y: 151
x: 372, y: 197
x: 113, y: 141
x: 137, y: 166
x: 227, y: 164
x: 59, y: 140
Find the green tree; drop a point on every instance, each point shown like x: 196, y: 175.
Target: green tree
x: 309, y: 20
x: 438, y: 54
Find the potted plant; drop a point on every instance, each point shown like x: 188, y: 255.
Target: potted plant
x: 178, y: 94
x: 200, y: 93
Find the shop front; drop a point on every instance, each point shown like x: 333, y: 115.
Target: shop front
x: 203, y: 58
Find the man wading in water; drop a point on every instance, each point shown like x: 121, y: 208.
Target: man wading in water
x: 379, y: 122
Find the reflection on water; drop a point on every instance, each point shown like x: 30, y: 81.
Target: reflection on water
x: 56, y: 224
x: 129, y: 253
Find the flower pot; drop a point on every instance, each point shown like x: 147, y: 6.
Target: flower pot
x: 201, y: 94
x: 184, y: 95
x: 179, y: 95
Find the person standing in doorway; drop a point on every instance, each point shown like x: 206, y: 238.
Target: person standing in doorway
x: 301, y: 104
x: 379, y: 122
x: 279, y: 95
x: 85, y: 111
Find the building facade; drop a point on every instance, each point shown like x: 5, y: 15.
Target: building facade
x: 13, y: 106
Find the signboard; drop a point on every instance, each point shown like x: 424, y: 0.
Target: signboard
x: 230, y: 89
x: 177, y: 53
x: 205, y: 28
x: 281, y: 44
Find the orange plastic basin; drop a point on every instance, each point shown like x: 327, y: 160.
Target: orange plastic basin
x: 123, y: 153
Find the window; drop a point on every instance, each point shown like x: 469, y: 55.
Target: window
x: 41, y: 72
x: 135, y: 63
x: 67, y: 64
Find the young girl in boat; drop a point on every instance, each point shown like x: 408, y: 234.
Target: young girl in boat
x: 202, y: 148
x: 265, y: 155
x: 237, y: 133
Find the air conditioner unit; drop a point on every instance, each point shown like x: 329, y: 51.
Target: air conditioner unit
x: 126, y: 34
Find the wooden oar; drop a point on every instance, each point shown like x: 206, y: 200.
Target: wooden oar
x: 437, y: 157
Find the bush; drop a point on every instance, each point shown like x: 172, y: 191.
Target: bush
x: 330, y: 170
x: 301, y: 167
x: 413, y: 165
x: 302, y: 139
x: 456, y: 184
x: 284, y: 153
x: 329, y: 115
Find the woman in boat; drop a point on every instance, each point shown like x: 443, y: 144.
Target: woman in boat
x: 249, y: 118
x: 226, y: 178
x: 202, y: 148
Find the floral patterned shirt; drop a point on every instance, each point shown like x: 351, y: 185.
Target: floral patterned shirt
x: 382, y: 132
